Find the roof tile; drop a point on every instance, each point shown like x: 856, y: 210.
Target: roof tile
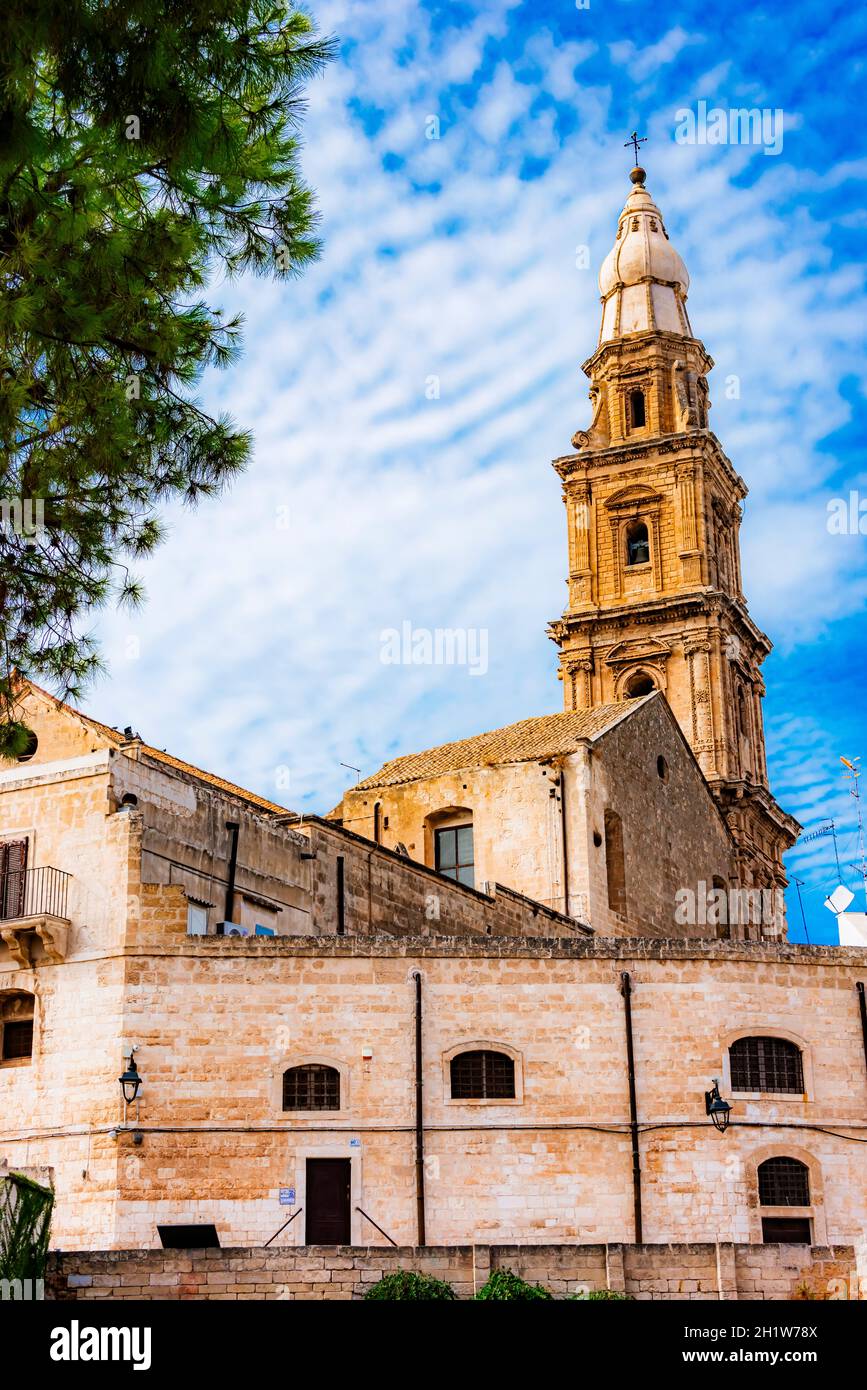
x: 529, y: 739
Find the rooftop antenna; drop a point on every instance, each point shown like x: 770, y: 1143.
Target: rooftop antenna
x: 799, y: 883
x: 852, y: 774
x: 353, y: 769
x: 827, y: 829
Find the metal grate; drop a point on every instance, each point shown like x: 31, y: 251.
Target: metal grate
x: 311, y: 1087
x: 766, y: 1064
x: 784, y: 1182
x: 17, y: 1039
x: 483, y: 1076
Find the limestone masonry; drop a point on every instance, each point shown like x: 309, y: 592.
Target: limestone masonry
x: 490, y: 1010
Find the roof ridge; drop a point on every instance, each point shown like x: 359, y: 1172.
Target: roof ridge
x: 160, y: 754
x: 508, y: 743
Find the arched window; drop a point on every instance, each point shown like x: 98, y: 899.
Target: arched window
x: 454, y: 858
x: 16, y: 1026
x: 784, y: 1182
x: 482, y: 1076
x: 637, y: 414
x: 639, y: 684
x: 614, y: 863
x: 637, y: 544
x: 377, y: 823
x: 766, y: 1064
x: 311, y: 1087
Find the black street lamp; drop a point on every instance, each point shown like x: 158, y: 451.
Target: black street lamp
x: 130, y: 1081
x: 718, y: 1109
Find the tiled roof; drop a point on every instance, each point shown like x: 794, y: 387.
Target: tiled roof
x: 526, y: 741
x: 120, y: 740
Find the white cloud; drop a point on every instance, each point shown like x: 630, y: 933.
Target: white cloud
x: 260, y: 646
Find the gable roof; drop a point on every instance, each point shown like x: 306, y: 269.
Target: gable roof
x: 528, y: 740
x: 115, y: 739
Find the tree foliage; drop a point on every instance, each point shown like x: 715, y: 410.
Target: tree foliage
x: 504, y: 1285
x: 409, y: 1285
x: 144, y: 144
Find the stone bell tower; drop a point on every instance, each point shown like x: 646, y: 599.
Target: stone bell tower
x: 653, y: 513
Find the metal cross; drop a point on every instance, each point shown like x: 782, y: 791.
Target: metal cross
x: 635, y: 141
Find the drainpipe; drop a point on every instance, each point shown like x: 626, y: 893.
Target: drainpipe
x: 565, y: 838
x: 419, y: 1127
x: 859, y: 985
x: 626, y: 991
x: 341, y: 897
x: 233, y: 827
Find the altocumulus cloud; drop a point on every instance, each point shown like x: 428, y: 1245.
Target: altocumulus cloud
x: 408, y: 394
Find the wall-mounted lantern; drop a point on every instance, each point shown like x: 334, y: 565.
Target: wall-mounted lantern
x: 718, y: 1109
x: 130, y: 1082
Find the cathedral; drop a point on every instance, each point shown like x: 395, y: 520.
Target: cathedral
x: 521, y: 999
x: 655, y: 601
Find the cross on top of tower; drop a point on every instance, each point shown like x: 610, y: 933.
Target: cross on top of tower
x: 635, y: 140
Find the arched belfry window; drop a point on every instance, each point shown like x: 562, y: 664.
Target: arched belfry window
x: 766, y: 1064
x: 637, y: 414
x: 311, y: 1087
x: 482, y: 1076
x: 637, y: 543
x: 639, y: 684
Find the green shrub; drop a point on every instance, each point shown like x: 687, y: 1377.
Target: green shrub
x: 504, y: 1284
x: 407, y: 1284
x: 602, y: 1294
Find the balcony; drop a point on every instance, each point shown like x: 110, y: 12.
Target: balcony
x: 33, y: 904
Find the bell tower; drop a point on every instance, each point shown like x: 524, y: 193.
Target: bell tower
x: 653, y: 510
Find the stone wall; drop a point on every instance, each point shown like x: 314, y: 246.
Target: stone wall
x: 647, y: 1272
x: 218, y: 1020
x: 674, y: 836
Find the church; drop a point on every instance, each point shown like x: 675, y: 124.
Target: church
x: 529, y: 989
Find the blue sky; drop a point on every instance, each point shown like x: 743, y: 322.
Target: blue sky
x: 369, y: 503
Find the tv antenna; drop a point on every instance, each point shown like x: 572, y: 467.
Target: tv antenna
x: 852, y: 774
x: 828, y: 829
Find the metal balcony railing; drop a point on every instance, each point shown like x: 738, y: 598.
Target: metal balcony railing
x: 33, y: 893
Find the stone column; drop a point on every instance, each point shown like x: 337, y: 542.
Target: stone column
x: 690, y: 555
x: 697, y: 652
x: 577, y: 501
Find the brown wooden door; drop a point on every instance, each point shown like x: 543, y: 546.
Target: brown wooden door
x: 327, y: 1202
x: 13, y: 879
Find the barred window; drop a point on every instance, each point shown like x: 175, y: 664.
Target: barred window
x: 482, y: 1076
x: 17, y: 1040
x: 311, y: 1087
x: 784, y: 1182
x: 766, y: 1064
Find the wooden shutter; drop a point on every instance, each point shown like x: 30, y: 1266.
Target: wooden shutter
x: 13, y: 878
